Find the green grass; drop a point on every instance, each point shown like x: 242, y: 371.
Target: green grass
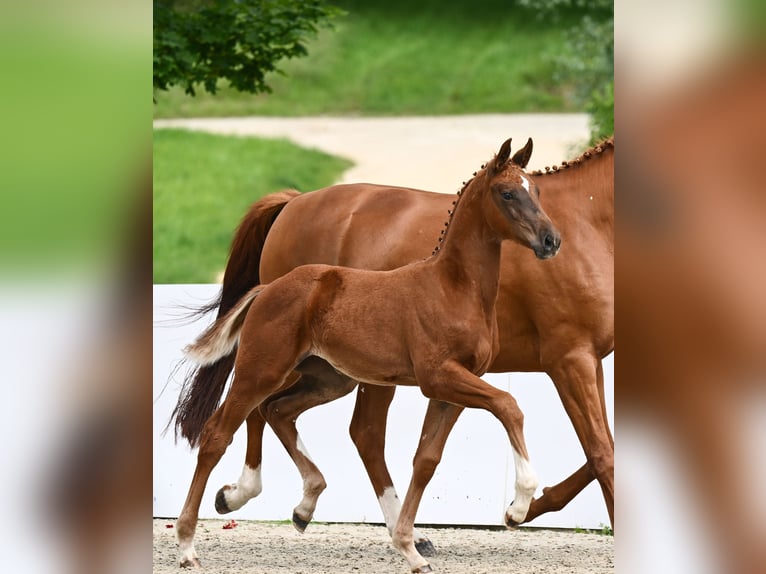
x: 395, y: 57
x: 203, y: 185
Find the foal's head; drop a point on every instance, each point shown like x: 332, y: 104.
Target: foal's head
x: 520, y: 217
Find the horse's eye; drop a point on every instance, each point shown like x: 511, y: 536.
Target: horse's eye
x: 507, y: 195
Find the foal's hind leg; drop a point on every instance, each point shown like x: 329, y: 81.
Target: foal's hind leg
x: 216, y: 436
x: 319, y: 384
x: 232, y: 497
x: 368, y: 431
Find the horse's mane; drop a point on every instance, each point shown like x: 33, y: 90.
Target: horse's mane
x: 592, y: 151
x: 451, y: 212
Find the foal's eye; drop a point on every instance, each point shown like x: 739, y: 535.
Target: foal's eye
x: 507, y: 195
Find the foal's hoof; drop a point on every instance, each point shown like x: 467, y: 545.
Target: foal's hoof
x: 425, y: 549
x: 423, y: 569
x: 191, y: 563
x: 299, y: 523
x: 221, y: 506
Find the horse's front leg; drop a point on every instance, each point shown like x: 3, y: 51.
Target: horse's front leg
x: 438, y: 423
x: 368, y: 431
x: 456, y: 385
x: 579, y: 380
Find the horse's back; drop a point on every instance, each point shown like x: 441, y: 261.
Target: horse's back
x: 364, y: 226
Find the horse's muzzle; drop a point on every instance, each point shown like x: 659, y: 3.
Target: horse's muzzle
x: 549, y: 245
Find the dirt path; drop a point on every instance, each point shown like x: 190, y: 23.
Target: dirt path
x: 271, y: 548
x: 434, y: 153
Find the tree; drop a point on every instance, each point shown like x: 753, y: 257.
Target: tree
x: 588, y: 60
x: 199, y: 42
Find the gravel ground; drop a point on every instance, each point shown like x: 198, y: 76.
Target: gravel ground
x: 276, y: 548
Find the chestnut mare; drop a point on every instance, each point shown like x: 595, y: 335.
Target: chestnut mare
x: 431, y: 323
x: 380, y: 227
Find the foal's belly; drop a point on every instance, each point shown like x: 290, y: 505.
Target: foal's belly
x: 366, y: 367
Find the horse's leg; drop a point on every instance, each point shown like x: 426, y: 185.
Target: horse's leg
x: 216, y: 436
x: 319, y: 384
x: 255, y: 379
x: 454, y: 385
x: 579, y: 380
x: 439, y: 420
x: 555, y: 497
x: 368, y: 431
x: 232, y: 497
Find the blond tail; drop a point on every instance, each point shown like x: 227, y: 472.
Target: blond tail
x: 221, y: 338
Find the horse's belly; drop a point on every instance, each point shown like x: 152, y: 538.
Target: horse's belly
x: 367, y: 367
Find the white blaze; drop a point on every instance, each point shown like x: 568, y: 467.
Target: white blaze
x: 525, y: 183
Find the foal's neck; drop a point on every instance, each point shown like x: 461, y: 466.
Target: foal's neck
x: 469, y: 254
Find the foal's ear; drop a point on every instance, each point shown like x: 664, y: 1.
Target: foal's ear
x: 502, y: 156
x: 521, y: 157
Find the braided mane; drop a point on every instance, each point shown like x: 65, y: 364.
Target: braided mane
x: 592, y: 151
x: 451, y: 212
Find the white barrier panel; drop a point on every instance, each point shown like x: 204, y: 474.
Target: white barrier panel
x: 472, y: 485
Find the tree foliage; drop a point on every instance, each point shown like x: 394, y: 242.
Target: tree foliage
x: 587, y: 63
x: 199, y: 42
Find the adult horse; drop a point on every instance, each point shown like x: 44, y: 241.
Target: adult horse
x: 379, y: 227
x: 439, y: 332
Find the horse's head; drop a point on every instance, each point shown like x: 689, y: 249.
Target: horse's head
x: 520, y: 216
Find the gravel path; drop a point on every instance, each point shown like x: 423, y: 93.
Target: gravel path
x: 275, y: 548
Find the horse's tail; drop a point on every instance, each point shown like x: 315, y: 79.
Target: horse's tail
x: 203, y: 387
x: 220, y: 339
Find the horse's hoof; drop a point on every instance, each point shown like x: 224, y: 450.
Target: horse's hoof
x: 425, y: 548
x: 221, y: 506
x: 299, y: 523
x: 191, y: 563
x: 423, y: 569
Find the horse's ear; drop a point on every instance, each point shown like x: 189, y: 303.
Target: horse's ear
x: 502, y: 156
x: 521, y: 157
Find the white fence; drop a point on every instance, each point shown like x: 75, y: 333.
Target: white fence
x: 473, y: 484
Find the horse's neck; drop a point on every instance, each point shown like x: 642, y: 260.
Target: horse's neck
x: 582, y: 192
x: 469, y: 255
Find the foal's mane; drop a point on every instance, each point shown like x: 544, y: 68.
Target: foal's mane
x: 595, y: 150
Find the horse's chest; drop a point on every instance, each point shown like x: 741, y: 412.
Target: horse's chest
x: 474, y: 347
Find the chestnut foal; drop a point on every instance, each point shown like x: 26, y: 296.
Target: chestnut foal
x: 431, y: 323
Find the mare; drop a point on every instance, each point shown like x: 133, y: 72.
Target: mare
x: 380, y: 227
x: 431, y: 323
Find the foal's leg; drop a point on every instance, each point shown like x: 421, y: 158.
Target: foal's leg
x: 254, y: 380
x: 454, y: 385
x: 555, y: 497
x: 368, y: 431
x: 439, y: 420
x: 319, y: 384
x: 579, y: 381
x: 232, y: 497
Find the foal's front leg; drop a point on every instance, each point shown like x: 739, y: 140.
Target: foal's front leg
x: 368, y: 431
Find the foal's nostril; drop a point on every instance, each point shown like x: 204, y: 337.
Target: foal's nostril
x: 549, y: 242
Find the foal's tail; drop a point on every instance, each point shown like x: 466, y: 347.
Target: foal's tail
x: 204, y: 385
x: 220, y: 339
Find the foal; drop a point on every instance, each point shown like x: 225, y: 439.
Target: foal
x: 431, y: 323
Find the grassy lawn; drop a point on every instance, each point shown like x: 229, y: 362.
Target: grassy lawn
x: 395, y: 57
x: 203, y: 184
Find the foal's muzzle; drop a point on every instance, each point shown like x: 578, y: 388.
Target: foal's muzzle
x: 549, y: 245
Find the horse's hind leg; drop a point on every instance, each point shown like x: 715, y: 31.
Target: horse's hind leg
x: 216, y: 436
x: 368, y: 431
x: 319, y: 384
x: 232, y: 497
